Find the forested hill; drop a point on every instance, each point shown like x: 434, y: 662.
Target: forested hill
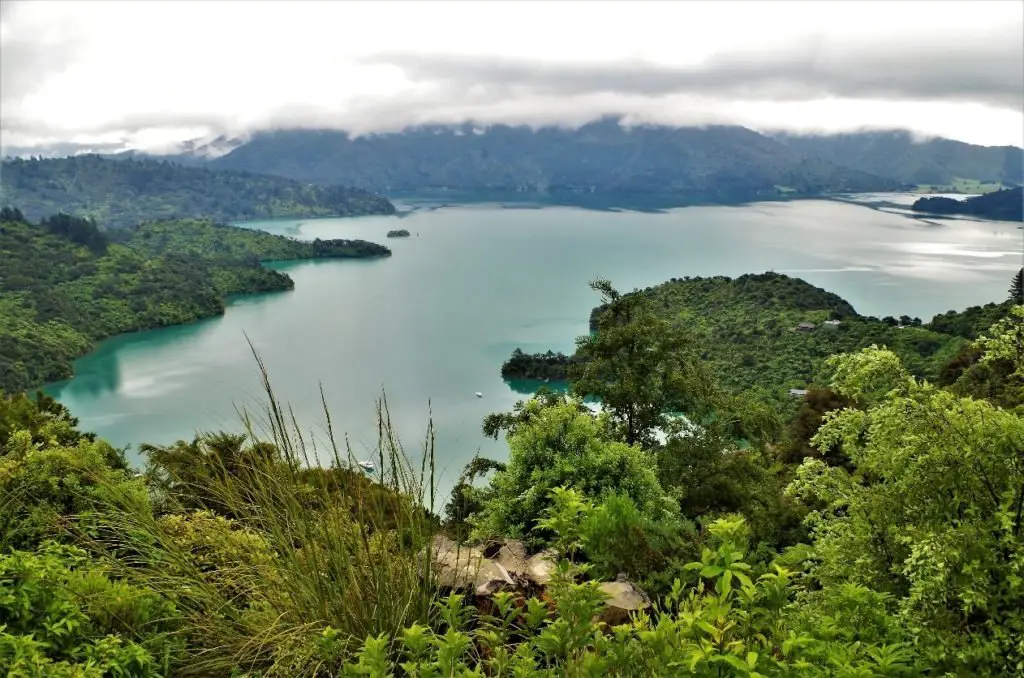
x: 127, y: 192
x: 65, y: 284
x: 897, y: 154
x: 712, y: 164
x: 771, y: 332
x: 1005, y: 205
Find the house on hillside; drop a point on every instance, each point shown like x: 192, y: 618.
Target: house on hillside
x: 804, y: 327
x: 831, y: 323
x: 797, y: 392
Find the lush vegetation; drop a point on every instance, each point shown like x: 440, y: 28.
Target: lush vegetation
x: 890, y: 545
x: 677, y: 165
x: 66, y: 284
x: 128, y: 192
x: 399, y: 233
x: 546, y: 366
x: 202, y: 238
x: 1006, y: 205
x: 750, y: 336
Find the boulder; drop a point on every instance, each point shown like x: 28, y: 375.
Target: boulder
x: 624, y: 600
x: 465, y: 568
x: 484, y: 570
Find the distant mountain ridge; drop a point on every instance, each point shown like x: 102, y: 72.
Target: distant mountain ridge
x: 710, y: 164
x: 125, y: 193
x: 898, y: 155
x: 611, y: 163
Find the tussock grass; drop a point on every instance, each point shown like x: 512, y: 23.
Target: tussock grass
x: 278, y: 564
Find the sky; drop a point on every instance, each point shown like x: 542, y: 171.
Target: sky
x: 105, y: 76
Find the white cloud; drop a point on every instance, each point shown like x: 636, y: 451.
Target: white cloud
x: 146, y: 74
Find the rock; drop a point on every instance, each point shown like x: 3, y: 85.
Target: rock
x: 540, y: 567
x: 464, y: 568
x: 511, y: 555
x: 624, y: 599
x: 504, y: 565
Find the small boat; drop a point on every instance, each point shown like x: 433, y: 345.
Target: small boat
x: 479, y: 394
x: 368, y: 465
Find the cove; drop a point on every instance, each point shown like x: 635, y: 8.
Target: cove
x: 432, y: 324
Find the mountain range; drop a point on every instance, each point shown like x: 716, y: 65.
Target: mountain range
x: 713, y: 164
x: 608, y: 161
x: 690, y: 164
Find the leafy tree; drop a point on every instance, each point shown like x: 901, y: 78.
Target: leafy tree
x: 641, y: 367
x: 559, y: 444
x: 932, y: 514
x: 1017, y: 288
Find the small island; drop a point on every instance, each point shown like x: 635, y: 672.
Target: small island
x: 400, y: 233
x: 547, y: 366
x: 1004, y: 205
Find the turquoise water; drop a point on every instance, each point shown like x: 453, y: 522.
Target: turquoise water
x: 433, y: 323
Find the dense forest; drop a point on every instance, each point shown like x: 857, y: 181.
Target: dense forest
x: 899, y: 154
x: 1006, y: 205
x: 716, y: 164
x: 128, y: 192
x: 878, y: 532
x: 772, y: 333
x: 66, y: 284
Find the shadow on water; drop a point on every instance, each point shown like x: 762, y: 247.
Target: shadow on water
x: 528, y: 387
x: 99, y: 373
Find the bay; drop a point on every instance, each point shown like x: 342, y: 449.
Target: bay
x: 431, y: 325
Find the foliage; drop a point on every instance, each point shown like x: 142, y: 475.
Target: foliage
x: 64, y: 287
x: 63, y: 614
x: 46, y: 422
x: 730, y: 621
x: 546, y: 366
x: 563, y: 445
x: 47, y: 477
x: 639, y: 366
x: 930, y: 517
x: 207, y: 239
x: 745, y: 327
x: 817, y: 402
x: 970, y: 322
x: 129, y: 192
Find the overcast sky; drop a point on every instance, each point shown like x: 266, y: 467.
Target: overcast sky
x: 146, y: 74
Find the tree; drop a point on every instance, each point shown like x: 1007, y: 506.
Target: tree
x: 931, y: 516
x: 1017, y: 287
x: 641, y: 367
x: 561, y: 444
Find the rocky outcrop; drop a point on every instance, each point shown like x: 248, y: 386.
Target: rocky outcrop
x: 483, y: 570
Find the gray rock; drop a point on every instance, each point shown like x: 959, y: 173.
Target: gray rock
x: 624, y: 599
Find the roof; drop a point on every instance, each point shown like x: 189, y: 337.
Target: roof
x: 797, y: 391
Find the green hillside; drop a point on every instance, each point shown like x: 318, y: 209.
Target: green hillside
x: 65, y: 285
x: 127, y: 192
x: 750, y: 330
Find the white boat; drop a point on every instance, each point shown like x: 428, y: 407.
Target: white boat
x: 479, y: 394
x: 368, y: 465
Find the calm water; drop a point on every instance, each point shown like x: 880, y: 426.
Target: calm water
x: 435, y: 321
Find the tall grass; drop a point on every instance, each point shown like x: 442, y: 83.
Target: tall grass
x: 318, y: 559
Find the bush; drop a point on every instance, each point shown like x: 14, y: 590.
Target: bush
x: 561, y: 444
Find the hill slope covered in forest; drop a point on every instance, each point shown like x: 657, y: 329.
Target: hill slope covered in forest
x: 128, y: 192
x: 66, y: 284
